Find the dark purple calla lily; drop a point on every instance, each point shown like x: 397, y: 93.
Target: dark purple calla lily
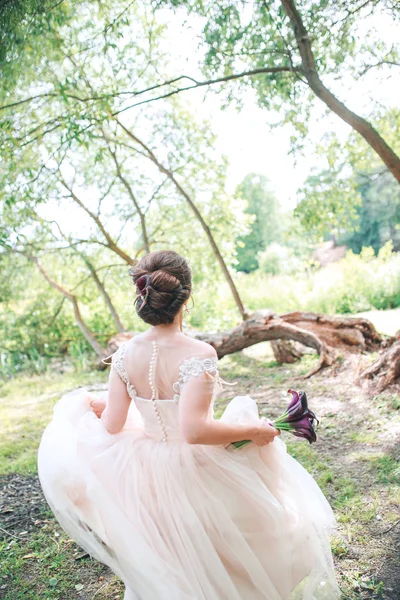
x: 307, y: 433
x: 303, y: 400
x: 294, y: 401
x: 298, y: 419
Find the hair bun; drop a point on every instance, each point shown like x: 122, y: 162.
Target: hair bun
x: 163, y: 282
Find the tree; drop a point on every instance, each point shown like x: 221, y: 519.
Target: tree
x: 287, y: 53
x: 266, y: 224
x: 132, y: 180
x: 293, y: 53
x: 378, y: 214
x: 352, y: 196
x: 81, y: 188
x: 21, y: 23
x: 76, y: 107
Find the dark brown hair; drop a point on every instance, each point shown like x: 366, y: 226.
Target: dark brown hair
x: 165, y: 284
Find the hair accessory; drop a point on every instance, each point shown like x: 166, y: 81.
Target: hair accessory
x: 142, y: 284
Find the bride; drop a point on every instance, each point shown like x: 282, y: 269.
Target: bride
x: 148, y: 483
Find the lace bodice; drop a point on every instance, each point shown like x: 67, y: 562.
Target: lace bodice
x: 160, y: 416
x: 192, y: 367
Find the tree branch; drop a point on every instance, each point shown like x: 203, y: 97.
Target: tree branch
x: 131, y: 195
x: 195, y: 84
x: 310, y: 71
x: 198, y: 84
x: 110, y: 242
x: 99, y: 350
x: 378, y: 64
x: 170, y: 175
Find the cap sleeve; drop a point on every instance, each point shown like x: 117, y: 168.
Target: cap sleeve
x: 194, y: 367
x: 118, y: 363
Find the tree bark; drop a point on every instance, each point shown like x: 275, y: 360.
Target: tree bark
x: 198, y: 215
x: 386, y: 369
x: 264, y: 326
x: 310, y: 71
x: 347, y: 334
x: 104, y: 294
x: 327, y: 335
x: 99, y: 350
x: 285, y: 351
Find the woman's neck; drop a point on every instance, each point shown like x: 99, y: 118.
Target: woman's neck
x: 166, y: 330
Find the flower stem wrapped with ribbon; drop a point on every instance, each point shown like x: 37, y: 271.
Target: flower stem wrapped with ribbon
x: 298, y: 419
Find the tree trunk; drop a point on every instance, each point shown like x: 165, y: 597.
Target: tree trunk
x: 99, y: 350
x: 386, y: 369
x: 285, y: 351
x: 145, y: 236
x: 309, y: 69
x: 347, y: 334
x: 104, y: 293
x: 199, y: 216
x: 327, y: 335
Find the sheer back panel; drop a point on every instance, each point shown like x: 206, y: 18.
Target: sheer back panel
x: 167, y: 360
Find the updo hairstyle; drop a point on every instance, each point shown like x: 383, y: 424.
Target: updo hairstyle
x: 163, y: 283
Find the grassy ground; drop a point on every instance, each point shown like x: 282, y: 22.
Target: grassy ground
x: 354, y: 462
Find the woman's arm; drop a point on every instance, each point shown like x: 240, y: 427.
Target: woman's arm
x: 197, y: 426
x: 116, y: 411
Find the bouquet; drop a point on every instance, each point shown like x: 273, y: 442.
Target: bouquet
x: 298, y: 419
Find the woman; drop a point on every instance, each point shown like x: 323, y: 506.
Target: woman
x: 149, y: 484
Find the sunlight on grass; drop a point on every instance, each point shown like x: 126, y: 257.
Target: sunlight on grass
x: 247, y: 366
x: 26, y: 405
x: 357, y: 510
x: 364, y: 437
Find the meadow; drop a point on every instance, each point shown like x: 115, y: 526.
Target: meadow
x: 355, y: 461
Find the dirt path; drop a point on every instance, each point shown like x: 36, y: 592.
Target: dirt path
x: 355, y: 461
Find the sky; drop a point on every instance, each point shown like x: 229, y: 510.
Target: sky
x: 246, y: 138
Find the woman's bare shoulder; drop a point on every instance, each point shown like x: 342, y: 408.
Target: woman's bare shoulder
x: 136, y: 339
x: 199, y: 348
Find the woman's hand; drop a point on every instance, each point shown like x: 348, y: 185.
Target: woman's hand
x: 97, y: 406
x: 264, y: 434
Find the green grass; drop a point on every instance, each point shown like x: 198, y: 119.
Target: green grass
x: 43, y: 565
x: 46, y: 565
x: 386, y: 469
x: 26, y: 405
x: 363, y: 437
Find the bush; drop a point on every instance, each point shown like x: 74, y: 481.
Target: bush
x: 359, y: 282
x: 277, y: 259
x: 35, y: 330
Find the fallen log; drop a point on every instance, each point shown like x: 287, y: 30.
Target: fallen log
x: 327, y: 335
x: 350, y: 334
x: 286, y: 351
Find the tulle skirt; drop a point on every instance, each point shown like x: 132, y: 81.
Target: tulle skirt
x: 188, y: 522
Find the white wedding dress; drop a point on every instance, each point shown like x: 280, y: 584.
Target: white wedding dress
x: 179, y: 521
